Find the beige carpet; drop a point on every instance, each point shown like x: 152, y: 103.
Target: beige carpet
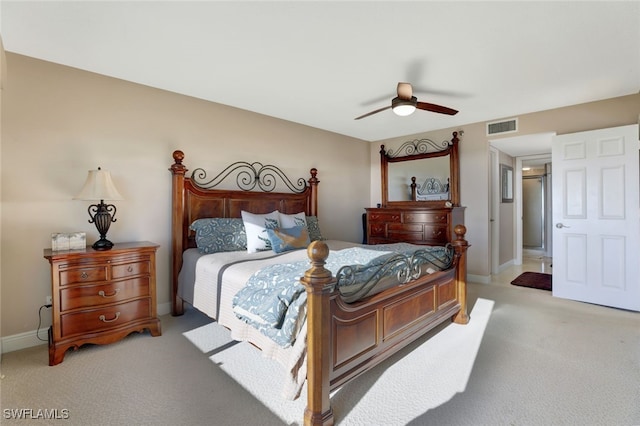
x: 431, y: 371
x: 542, y: 361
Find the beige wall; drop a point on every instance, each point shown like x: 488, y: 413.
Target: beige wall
x: 60, y: 122
x: 474, y: 160
x: 3, y: 77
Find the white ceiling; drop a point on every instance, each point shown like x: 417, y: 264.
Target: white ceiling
x: 324, y: 63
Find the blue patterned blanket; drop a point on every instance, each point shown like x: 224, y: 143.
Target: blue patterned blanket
x: 274, y: 300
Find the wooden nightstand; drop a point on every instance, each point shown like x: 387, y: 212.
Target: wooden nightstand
x: 101, y: 296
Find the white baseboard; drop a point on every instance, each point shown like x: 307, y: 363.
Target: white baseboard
x: 506, y: 265
x: 24, y: 340
x: 164, y: 308
x: 30, y: 339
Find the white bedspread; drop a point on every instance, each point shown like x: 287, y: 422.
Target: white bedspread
x: 232, y: 270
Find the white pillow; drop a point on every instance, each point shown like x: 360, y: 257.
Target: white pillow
x: 293, y: 220
x: 255, y: 226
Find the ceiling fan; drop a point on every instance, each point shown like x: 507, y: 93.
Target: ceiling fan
x: 405, y: 104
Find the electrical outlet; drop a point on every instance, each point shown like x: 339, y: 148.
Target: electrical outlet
x: 48, y: 300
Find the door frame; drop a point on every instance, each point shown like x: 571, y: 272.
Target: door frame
x: 494, y: 209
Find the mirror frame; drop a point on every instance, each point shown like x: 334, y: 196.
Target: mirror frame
x: 419, y: 149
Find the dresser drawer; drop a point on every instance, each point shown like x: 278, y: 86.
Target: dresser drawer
x: 378, y: 229
x: 125, y: 270
x: 83, y: 275
x: 437, y: 234
x: 405, y: 227
x: 101, y: 294
x: 410, y: 237
x: 425, y: 217
x: 95, y: 320
x: 385, y: 217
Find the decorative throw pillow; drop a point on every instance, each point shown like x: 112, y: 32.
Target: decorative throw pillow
x: 256, y: 225
x: 285, y: 239
x: 219, y: 234
x: 314, y: 228
x: 291, y: 220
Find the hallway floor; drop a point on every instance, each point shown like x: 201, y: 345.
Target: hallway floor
x: 531, y: 261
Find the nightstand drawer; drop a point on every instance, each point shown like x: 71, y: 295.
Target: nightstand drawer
x: 83, y: 275
x: 101, y: 294
x: 105, y: 318
x: 126, y: 270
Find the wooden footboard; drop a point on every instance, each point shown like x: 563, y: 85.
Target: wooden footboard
x: 345, y: 340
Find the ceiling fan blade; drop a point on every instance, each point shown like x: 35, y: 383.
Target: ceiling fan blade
x: 372, y: 112
x: 436, y: 108
x: 405, y: 91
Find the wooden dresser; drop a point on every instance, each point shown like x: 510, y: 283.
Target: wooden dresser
x: 419, y: 225
x: 431, y: 219
x: 100, y: 297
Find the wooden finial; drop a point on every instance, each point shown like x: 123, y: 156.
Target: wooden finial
x: 177, y: 167
x: 318, y: 252
x: 460, y: 231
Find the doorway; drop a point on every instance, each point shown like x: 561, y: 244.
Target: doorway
x: 536, y: 206
x: 528, y: 148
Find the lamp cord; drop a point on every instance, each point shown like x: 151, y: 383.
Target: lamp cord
x: 40, y: 323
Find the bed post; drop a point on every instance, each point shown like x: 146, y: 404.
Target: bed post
x: 461, y: 245
x: 318, y: 283
x: 454, y: 166
x: 313, y: 184
x: 178, y: 171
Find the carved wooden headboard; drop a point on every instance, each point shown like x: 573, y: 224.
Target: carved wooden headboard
x: 195, y: 197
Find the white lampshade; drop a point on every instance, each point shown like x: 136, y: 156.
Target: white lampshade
x: 98, y: 186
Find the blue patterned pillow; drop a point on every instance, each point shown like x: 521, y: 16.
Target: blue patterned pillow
x: 219, y: 234
x: 314, y: 228
x: 285, y: 239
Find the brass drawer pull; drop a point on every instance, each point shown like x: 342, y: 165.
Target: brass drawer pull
x: 84, y: 275
x: 102, y: 294
x: 103, y: 318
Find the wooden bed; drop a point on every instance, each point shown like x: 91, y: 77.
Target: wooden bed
x: 343, y: 339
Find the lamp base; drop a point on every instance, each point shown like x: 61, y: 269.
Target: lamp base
x: 102, y: 244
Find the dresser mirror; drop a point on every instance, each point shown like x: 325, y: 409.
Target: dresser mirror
x: 421, y: 173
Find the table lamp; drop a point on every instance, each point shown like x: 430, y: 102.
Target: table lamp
x: 99, y: 186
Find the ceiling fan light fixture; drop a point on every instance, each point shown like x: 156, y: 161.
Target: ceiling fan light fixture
x: 404, y: 107
x: 404, y: 110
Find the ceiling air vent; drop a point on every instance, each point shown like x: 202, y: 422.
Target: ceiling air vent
x: 500, y: 127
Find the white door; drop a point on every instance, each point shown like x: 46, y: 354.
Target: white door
x: 596, y: 217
